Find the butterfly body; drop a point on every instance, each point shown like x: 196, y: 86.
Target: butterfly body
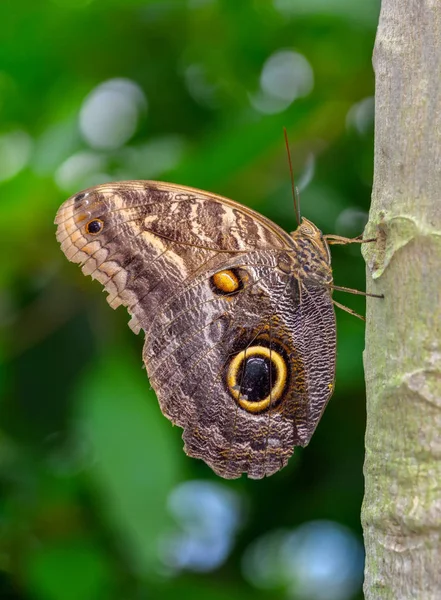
x: 238, y: 317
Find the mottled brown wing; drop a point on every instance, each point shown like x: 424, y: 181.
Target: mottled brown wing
x: 157, y: 249
x: 194, y: 340
x: 154, y: 237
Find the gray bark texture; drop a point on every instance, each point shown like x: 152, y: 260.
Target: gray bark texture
x: 402, y: 506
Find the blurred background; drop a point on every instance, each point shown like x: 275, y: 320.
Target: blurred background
x: 97, y: 499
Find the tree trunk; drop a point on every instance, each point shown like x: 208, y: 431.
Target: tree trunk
x: 402, y: 506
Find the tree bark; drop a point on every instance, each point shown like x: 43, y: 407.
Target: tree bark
x: 401, y: 512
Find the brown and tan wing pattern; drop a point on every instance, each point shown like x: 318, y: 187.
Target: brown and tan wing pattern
x: 240, y: 353
x: 189, y: 355
x: 154, y: 237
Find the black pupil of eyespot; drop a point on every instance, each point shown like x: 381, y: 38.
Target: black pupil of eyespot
x: 94, y: 226
x: 256, y: 378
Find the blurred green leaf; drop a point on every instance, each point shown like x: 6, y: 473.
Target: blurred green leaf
x: 136, y: 462
x: 69, y: 570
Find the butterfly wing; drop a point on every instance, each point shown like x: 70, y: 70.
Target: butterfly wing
x: 154, y: 237
x: 240, y: 353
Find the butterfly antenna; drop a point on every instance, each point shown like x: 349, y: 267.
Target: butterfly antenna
x: 295, y: 191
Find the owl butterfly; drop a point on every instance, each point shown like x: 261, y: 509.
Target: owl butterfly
x: 238, y: 315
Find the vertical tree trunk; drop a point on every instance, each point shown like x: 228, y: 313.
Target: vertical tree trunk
x: 402, y: 506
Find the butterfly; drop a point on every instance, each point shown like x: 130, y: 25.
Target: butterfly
x: 238, y: 315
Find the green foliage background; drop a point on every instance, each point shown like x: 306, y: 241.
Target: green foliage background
x: 87, y: 461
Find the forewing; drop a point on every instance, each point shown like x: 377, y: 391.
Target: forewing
x: 155, y: 237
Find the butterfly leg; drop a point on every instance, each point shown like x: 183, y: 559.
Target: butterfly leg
x: 352, y: 291
x: 334, y: 240
x: 340, y: 288
x: 348, y: 310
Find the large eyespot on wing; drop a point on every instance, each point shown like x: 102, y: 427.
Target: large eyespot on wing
x: 257, y: 377
x: 266, y: 385
x: 188, y: 353
x: 254, y: 435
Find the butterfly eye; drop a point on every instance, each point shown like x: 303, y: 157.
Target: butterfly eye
x: 257, y: 377
x: 306, y: 229
x: 94, y: 227
x: 226, y: 282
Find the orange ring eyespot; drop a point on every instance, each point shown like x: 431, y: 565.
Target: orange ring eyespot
x: 226, y: 282
x: 249, y: 378
x: 94, y: 226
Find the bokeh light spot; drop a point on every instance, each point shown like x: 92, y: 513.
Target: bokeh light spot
x: 199, y: 86
x: 208, y: 515
x: 285, y: 76
x: 361, y: 116
x: 153, y: 158
x: 15, y: 151
x: 351, y: 222
x: 307, y: 175
x: 319, y: 560
x: 110, y: 114
x: 81, y: 170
